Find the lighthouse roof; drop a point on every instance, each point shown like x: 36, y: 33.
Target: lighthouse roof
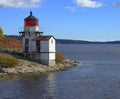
x: 43, y: 38
x: 31, y: 17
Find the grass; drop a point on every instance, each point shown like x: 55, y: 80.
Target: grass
x: 7, y: 60
x: 59, y: 57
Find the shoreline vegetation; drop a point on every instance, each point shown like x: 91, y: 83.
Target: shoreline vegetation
x: 28, y: 67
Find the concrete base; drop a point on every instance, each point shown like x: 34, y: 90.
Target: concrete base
x: 36, y: 57
x: 48, y: 62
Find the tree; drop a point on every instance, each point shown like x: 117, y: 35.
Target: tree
x: 1, y: 32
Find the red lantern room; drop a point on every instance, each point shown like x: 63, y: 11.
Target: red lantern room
x: 31, y: 20
x: 31, y: 26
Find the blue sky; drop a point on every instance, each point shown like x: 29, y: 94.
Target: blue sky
x: 94, y: 20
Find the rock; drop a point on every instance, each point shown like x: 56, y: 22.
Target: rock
x: 1, y: 70
x: 27, y: 67
x: 9, y: 70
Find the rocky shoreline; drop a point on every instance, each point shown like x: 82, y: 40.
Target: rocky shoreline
x: 30, y: 68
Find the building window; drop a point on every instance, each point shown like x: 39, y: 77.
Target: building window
x: 32, y: 22
x: 51, y: 41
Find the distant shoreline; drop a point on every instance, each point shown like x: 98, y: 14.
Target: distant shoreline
x: 70, y: 41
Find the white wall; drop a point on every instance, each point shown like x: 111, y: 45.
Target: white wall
x: 26, y: 35
x: 51, y: 56
x: 44, y: 46
x: 47, y: 56
x: 48, y: 46
x: 32, y: 45
x: 52, y: 45
x: 31, y: 28
x: 30, y: 34
x: 48, y: 49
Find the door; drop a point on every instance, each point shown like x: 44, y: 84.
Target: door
x: 26, y: 45
x: 38, y: 46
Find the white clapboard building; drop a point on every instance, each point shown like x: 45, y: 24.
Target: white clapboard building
x: 39, y: 47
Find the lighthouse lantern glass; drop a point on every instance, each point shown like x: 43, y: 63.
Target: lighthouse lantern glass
x: 31, y: 22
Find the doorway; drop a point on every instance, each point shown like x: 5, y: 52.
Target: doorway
x: 38, y: 46
x: 26, y: 45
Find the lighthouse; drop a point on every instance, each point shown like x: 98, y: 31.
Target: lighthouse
x: 38, y: 47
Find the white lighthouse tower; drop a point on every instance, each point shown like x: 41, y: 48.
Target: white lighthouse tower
x: 38, y: 47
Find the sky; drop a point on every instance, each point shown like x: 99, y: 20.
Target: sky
x: 93, y: 20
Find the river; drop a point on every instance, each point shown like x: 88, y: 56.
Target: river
x: 97, y: 76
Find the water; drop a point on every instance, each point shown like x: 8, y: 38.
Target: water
x: 97, y: 77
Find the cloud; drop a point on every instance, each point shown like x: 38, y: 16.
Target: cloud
x: 88, y: 3
x: 20, y: 3
x: 72, y: 9
x: 117, y: 4
x: 85, y: 4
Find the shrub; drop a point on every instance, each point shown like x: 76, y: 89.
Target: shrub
x: 59, y: 57
x: 1, y: 32
x: 7, y: 60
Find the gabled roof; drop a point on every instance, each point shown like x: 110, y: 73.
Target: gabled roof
x: 31, y: 17
x: 43, y: 38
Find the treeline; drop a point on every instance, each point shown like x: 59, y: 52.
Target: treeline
x: 67, y: 41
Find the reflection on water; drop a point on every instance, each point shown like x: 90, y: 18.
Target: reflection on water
x: 51, y: 87
x: 29, y: 87
x: 98, y: 77
x: 39, y: 87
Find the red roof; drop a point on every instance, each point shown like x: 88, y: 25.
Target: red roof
x: 41, y: 38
